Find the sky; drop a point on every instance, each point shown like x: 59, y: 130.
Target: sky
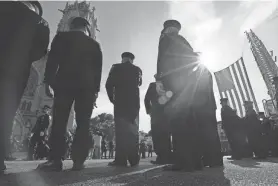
x: 215, y: 28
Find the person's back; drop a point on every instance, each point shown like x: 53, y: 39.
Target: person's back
x: 78, y: 57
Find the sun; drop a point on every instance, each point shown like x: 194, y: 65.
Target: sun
x: 209, y: 59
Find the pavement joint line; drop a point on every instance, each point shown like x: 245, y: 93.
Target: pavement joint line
x: 107, y: 179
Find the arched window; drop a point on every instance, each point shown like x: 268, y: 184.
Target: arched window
x: 29, y: 105
x: 23, y: 106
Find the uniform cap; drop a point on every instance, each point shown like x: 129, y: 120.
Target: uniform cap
x: 46, y: 107
x: 128, y: 55
x: 38, y: 5
x: 275, y: 79
x: 80, y: 21
x: 223, y: 100
x: 172, y: 23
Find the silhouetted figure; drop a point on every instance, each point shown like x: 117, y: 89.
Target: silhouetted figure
x: 73, y: 70
x: 143, y: 149
x: 24, y: 37
x: 159, y: 126
x: 150, y: 150
x: 111, y: 149
x: 254, y: 131
x: 39, y: 131
x: 123, y: 91
x: 231, y: 124
x: 103, y: 148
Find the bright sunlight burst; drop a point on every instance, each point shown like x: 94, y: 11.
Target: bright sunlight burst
x: 209, y: 59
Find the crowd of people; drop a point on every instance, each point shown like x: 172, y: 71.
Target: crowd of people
x: 180, y: 101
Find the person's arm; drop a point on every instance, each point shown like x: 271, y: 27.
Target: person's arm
x: 140, y: 81
x: 110, y: 84
x: 148, y: 100
x: 98, y: 69
x: 52, y: 61
x: 40, y: 42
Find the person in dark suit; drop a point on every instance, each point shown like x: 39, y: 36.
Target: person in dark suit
x: 73, y: 71
x: 24, y: 37
x: 254, y: 131
x: 39, y: 131
x: 122, y: 87
x: 159, y: 126
x: 231, y: 123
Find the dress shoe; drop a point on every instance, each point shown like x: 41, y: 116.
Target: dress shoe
x: 115, y: 164
x: 77, y: 166
x: 51, y: 166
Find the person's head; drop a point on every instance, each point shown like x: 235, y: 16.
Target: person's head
x: 224, y: 102
x: 171, y: 26
x: 80, y: 24
x: 46, y: 109
x: 127, y: 57
x: 35, y: 6
x: 248, y: 105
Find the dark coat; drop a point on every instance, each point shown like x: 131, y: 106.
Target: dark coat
x: 122, y: 87
x: 74, y: 62
x: 41, y: 124
x: 24, y: 37
x: 230, y: 120
x: 151, y: 98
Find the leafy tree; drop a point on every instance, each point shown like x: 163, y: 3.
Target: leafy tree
x: 104, y: 125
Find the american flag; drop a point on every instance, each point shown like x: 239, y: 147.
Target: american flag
x: 233, y: 83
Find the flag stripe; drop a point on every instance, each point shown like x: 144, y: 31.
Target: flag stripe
x: 250, y: 87
x: 237, y: 82
x: 232, y: 99
x: 243, y: 79
x: 239, y: 103
x: 233, y: 83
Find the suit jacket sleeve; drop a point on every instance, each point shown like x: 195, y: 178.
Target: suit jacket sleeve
x: 110, y: 84
x: 52, y: 61
x: 140, y: 77
x: 162, y: 48
x: 98, y: 69
x: 40, y: 42
x: 148, y: 99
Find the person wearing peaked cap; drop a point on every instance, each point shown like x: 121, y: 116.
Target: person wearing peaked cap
x: 39, y: 131
x: 231, y: 123
x: 25, y: 35
x: 160, y: 133
x: 128, y: 55
x: 223, y: 100
x: 125, y: 96
x: 172, y: 23
x: 80, y: 24
x: 253, y: 131
x: 81, y: 86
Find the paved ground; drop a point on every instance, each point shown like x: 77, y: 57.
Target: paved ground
x: 239, y: 173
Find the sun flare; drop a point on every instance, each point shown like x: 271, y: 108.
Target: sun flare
x: 209, y: 59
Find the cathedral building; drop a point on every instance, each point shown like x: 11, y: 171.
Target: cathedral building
x: 34, y: 97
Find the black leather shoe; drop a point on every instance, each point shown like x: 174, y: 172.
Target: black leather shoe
x: 115, y: 164
x: 51, y: 166
x: 77, y: 166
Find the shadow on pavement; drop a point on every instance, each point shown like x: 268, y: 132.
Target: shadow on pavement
x: 250, y: 163
x: 209, y: 176
x: 92, y: 176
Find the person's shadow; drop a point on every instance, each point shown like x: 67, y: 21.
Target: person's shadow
x: 208, y: 176
x: 247, y: 162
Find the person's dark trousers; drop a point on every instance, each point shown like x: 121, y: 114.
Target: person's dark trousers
x: 127, y: 141
x: 211, y: 145
x: 103, y: 154
x: 184, y: 132
x: 143, y: 154
x: 111, y: 153
x: 83, y: 106
x: 150, y: 154
x: 32, y: 143
x: 10, y: 96
x: 161, y: 136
